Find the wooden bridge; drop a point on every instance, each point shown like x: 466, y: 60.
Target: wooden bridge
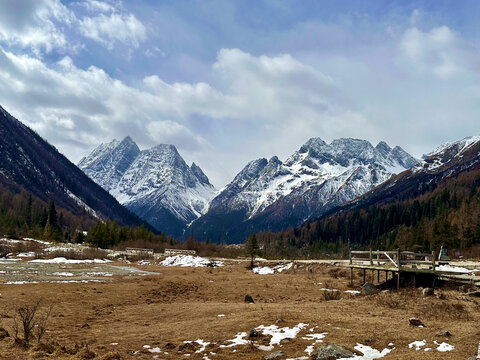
x: 405, y: 263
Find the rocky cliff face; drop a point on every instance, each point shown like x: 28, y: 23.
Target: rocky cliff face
x: 156, y: 184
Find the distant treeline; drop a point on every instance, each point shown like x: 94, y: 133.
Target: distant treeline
x: 24, y: 215
x: 449, y: 215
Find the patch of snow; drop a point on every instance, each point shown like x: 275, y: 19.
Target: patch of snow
x: 444, y: 347
x: 239, y: 339
x: 325, y: 289
x: 278, y: 334
x: 221, y: 315
x: 188, y: 260
x: 62, y: 274
x: 318, y: 339
x: 265, y: 270
x: 368, y: 352
x: 26, y: 254
x: 353, y: 292
x: 417, y: 344
x: 62, y: 260
x: 455, y: 269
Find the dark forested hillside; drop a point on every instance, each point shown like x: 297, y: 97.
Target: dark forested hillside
x: 33, y: 165
x: 420, y: 209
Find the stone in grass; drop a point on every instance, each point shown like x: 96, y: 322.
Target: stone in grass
x: 428, y: 292
x: 331, y: 351
x: 253, y: 334
x: 444, y: 333
x: 275, y: 355
x: 369, y: 289
x: 249, y: 299
x: 416, y: 322
x: 3, y: 334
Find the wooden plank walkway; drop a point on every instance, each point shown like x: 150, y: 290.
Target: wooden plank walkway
x: 404, y: 262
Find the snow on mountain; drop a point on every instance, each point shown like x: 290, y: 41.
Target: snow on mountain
x: 314, y: 179
x: 155, y: 183
x: 445, y: 153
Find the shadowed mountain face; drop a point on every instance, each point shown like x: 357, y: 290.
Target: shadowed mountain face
x: 156, y: 184
x: 31, y: 163
x: 273, y: 195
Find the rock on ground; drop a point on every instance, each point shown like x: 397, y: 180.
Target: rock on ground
x: 331, y: 351
x: 275, y: 355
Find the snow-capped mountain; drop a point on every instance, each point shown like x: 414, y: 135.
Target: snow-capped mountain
x: 29, y: 163
x: 447, y: 161
x: 271, y: 195
x: 156, y: 184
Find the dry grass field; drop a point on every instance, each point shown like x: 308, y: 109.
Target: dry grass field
x: 151, y: 316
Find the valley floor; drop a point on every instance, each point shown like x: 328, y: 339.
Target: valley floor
x: 152, y: 316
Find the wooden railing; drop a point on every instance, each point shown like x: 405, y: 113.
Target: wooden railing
x: 396, y: 258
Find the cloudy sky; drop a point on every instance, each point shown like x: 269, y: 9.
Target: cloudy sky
x: 231, y: 81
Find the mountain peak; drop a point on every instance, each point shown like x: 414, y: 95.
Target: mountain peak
x: 314, y: 143
x: 383, y: 148
x: 198, y: 172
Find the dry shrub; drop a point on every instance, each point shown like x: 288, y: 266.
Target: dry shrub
x: 338, y: 273
x: 331, y: 295
x: 30, y: 320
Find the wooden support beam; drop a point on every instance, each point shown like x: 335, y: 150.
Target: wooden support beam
x: 364, y: 274
x: 398, y: 280
x: 378, y: 276
x: 351, y: 276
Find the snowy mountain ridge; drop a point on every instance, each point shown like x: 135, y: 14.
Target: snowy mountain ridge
x: 155, y: 183
x: 316, y: 178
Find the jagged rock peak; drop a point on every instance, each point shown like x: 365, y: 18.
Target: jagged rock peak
x: 312, y: 144
x: 198, y: 172
x: 384, y: 148
x: 252, y: 169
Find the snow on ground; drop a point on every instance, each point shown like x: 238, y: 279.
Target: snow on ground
x: 62, y: 260
x: 62, y: 274
x: 455, y: 269
x: 189, y: 260
x: 417, y: 344
x: 278, y: 334
x: 265, y: 270
x: 353, y: 292
x: 444, y: 347
x: 26, y: 254
x: 317, y: 338
x: 239, y: 339
x: 368, y: 352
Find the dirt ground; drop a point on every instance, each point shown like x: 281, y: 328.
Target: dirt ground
x: 151, y: 317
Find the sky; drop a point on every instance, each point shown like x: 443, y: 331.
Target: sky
x: 227, y: 82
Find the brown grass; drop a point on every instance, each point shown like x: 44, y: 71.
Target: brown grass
x: 183, y: 304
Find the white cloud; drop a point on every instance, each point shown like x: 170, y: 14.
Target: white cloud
x: 32, y: 24
x: 278, y: 97
x: 108, y: 29
x: 439, y: 51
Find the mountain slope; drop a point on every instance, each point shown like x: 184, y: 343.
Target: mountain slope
x: 272, y: 195
x: 36, y: 166
x: 156, y: 184
x: 436, y: 202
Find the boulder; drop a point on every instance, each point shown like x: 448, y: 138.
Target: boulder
x: 253, y: 334
x: 275, y: 355
x: 428, y: 292
x: 416, y: 322
x: 444, y: 333
x: 369, y: 289
x: 331, y: 351
x: 249, y: 299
